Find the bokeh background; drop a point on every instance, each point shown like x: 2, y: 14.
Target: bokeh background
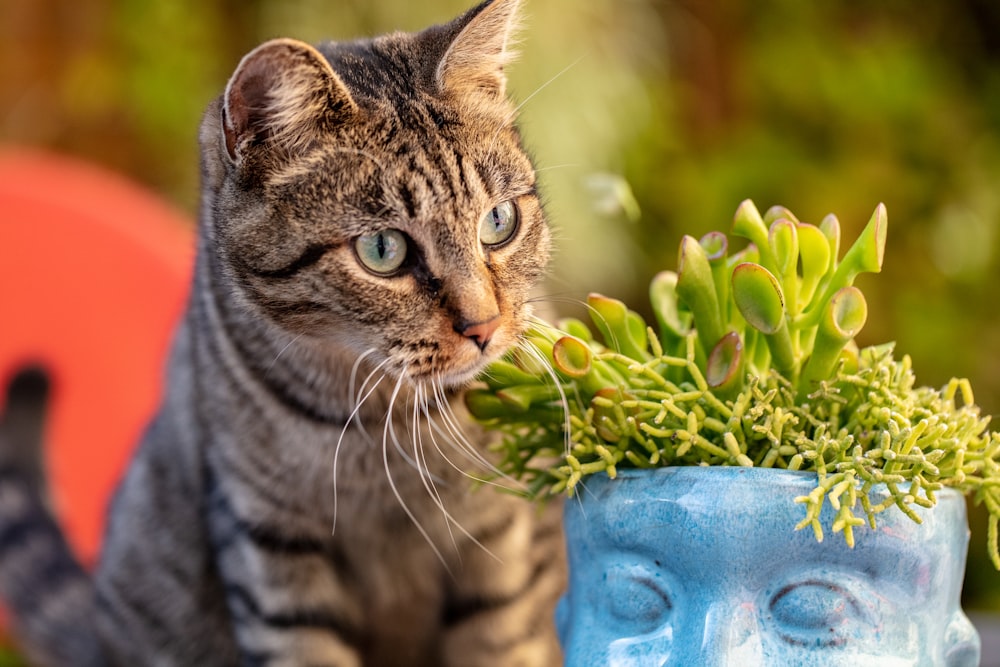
x: 649, y: 119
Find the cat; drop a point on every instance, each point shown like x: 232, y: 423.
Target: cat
x: 370, y: 232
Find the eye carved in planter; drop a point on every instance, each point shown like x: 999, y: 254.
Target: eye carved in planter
x: 637, y: 599
x: 816, y: 613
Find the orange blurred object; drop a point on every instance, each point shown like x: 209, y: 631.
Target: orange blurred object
x: 94, y: 272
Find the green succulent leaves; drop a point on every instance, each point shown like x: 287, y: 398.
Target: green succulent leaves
x: 696, y: 288
x: 782, y: 286
x: 752, y: 362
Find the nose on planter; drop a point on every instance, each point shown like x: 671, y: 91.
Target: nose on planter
x: 701, y: 566
x: 730, y: 635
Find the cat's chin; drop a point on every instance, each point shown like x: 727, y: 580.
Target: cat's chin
x: 451, y: 379
x: 453, y: 376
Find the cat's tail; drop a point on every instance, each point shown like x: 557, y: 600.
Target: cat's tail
x: 47, y: 594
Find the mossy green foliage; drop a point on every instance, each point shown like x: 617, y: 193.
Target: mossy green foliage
x: 775, y: 382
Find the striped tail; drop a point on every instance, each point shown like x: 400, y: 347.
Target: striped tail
x: 48, y: 595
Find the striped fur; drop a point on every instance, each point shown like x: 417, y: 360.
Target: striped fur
x: 270, y: 517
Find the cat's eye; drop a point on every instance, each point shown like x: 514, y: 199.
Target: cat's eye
x: 498, y: 226
x: 382, y: 252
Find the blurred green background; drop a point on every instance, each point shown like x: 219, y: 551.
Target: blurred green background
x: 689, y: 106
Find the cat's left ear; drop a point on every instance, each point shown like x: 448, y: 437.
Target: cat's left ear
x: 474, y: 61
x: 282, y: 94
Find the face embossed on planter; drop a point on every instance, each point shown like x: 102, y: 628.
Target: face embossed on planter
x: 702, y: 566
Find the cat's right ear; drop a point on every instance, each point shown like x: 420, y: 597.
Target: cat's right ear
x: 474, y: 63
x: 282, y: 94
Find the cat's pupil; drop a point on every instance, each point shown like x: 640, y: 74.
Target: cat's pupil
x: 382, y: 252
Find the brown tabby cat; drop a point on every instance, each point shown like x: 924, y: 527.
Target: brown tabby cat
x: 370, y: 231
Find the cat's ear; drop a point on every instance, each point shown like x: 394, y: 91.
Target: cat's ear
x: 474, y: 61
x: 282, y: 94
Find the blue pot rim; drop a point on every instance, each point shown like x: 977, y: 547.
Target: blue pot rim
x: 725, y: 475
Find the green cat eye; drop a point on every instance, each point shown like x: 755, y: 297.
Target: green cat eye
x: 498, y: 226
x: 382, y: 252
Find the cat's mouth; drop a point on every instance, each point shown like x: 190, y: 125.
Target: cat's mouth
x: 449, y: 360
x: 454, y: 372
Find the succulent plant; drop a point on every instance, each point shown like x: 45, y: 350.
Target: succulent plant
x: 752, y: 363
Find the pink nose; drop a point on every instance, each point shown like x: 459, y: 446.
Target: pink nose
x: 480, y: 333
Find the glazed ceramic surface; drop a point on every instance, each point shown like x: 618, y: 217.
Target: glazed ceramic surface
x: 702, y: 566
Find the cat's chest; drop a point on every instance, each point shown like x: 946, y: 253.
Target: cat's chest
x: 399, y: 558
x: 393, y: 514
x: 391, y: 492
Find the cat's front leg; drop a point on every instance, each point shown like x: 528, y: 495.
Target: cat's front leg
x: 288, y: 605
x: 501, y: 610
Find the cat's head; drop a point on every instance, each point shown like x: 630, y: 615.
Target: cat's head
x: 376, y: 194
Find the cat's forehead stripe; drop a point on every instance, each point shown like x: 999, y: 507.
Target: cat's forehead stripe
x: 374, y: 69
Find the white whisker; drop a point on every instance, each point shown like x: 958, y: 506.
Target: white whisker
x: 395, y: 438
x: 354, y: 372
x: 453, y: 431
x: 392, y: 484
x: 513, y: 114
x: 356, y: 397
x: 281, y: 352
x: 532, y: 350
x: 553, y: 167
x: 545, y: 85
x: 556, y: 298
x: 456, y: 438
x: 448, y: 516
x: 426, y: 477
x: 347, y: 424
x: 420, y: 408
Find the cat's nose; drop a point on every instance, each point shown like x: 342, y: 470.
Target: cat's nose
x: 480, y: 333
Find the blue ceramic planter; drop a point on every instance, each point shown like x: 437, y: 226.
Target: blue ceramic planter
x: 702, y: 566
